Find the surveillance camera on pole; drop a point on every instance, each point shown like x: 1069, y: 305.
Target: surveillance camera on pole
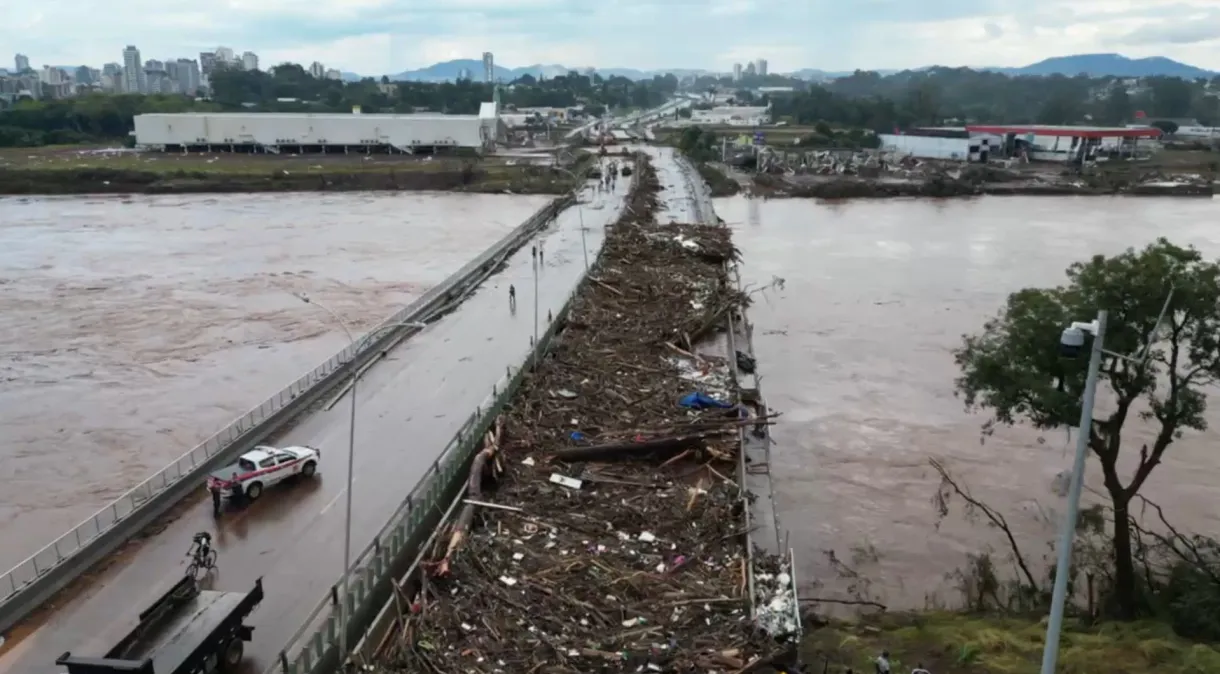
x: 1071, y: 340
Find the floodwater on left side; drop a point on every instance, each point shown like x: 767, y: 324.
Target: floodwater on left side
x: 133, y: 328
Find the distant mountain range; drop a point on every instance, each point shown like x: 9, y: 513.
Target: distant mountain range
x: 1094, y: 65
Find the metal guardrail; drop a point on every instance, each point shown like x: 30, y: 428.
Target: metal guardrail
x: 105, y: 520
x: 315, y: 642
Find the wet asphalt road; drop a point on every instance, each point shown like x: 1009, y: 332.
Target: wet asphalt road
x: 410, y: 405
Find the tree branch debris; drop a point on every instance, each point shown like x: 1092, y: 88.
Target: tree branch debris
x: 613, y: 540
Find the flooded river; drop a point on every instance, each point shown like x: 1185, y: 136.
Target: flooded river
x: 135, y: 327
x: 855, y: 351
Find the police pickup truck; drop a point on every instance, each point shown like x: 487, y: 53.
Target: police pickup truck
x: 262, y: 467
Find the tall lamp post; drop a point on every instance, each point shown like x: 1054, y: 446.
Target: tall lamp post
x: 580, y: 211
x: 1071, y: 341
x: 344, y: 612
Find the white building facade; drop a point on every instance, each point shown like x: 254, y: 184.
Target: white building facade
x: 302, y: 132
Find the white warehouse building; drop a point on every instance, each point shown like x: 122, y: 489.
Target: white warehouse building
x: 326, y: 132
x: 733, y: 116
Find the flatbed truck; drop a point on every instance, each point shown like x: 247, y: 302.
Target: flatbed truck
x: 188, y: 630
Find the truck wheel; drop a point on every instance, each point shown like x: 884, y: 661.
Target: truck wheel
x: 234, y: 650
x: 309, y: 469
x: 254, y: 491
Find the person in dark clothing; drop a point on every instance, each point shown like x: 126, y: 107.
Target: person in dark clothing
x: 236, y: 494
x: 512, y: 297
x: 215, y: 489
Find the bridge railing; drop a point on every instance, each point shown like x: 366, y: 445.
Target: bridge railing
x: 107, y: 519
x: 314, y: 646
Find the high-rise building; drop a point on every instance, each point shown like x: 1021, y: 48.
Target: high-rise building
x: 207, y: 62
x: 185, y: 74
x: 133, y: 71
x: 751, y: 70
x: 333, y: 74
x: 317, y: 70
x: 762, y: 67
x: 489, y: 67
x: 249, y: 61
x: 736, y: 72
x: 112, y: 77
x: 83, y: 75
x: 225, y: 55
x: 22, y: 62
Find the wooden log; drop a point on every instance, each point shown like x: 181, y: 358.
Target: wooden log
x: 629, y: 450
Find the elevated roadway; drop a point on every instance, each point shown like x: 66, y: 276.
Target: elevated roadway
x: 409, y: 406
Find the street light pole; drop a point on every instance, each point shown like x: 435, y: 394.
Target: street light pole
x: 1067, y: 535
x: 344, y: 609
x: 1054, y: 624
x: 351, y: 458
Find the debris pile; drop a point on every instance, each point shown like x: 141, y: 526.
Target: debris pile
x: 612, y: 537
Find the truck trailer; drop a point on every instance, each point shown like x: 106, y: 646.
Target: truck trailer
x: 188, y: 630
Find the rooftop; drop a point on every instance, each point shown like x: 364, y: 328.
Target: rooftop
x: 424, y: 116
x: 1070, y: 131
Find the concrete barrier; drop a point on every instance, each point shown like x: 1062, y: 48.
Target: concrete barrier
x: 395, y: 552
x: 31, y: 583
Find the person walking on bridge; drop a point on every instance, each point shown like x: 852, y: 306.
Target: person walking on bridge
x: 215, y: 489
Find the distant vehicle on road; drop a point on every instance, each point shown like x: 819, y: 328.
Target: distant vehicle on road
x: 262, y: 467
x: 186, y: 631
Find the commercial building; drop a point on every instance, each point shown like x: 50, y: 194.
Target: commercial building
x: 319, y: 133
x: 736, y: 72
x: 1029, y: 142
x: 761, y: 67
x: 732, y: 116
x: 133, y: 71
x: 22, y: 62
x: 249, y: 61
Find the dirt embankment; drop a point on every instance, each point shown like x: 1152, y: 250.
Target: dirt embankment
x: 89, y: 180
x: 942, y: 187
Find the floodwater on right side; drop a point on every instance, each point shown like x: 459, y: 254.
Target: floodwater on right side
x: 857, y: 308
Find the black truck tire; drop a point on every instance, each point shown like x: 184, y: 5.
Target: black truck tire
x: 254, y: 491
x: 233, y: 653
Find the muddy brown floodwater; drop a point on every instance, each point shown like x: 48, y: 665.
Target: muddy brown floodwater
x: 855, y: 350
x: 133, y: 328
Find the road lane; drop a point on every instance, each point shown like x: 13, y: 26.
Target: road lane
x: 410, y: 405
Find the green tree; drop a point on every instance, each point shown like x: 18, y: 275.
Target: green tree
x: 1013, y: 370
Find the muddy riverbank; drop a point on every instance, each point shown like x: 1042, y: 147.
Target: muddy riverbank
x: 76, y: 170
x: 842, y: 187
x: 522, y: 180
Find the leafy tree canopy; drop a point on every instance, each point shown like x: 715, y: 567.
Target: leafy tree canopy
x: 1013, y: 369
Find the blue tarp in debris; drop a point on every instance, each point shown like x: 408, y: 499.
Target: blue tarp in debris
x: 702, y: 401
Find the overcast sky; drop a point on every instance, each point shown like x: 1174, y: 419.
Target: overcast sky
x: 374, y: 37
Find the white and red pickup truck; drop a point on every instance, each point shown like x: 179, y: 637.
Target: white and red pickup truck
x: 262, y: 467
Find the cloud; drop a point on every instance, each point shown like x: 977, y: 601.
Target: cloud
x: 1179, y: 30
x: 385, y: 36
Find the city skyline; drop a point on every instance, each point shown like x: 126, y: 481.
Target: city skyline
x: 130, y: 74
x: 390, y: 36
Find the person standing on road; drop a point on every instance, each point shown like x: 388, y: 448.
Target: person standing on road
x: 215, y: 489
x: 512, y: 297
x: 236, y: 494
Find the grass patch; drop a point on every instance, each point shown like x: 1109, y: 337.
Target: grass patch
x: 948, y: 643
